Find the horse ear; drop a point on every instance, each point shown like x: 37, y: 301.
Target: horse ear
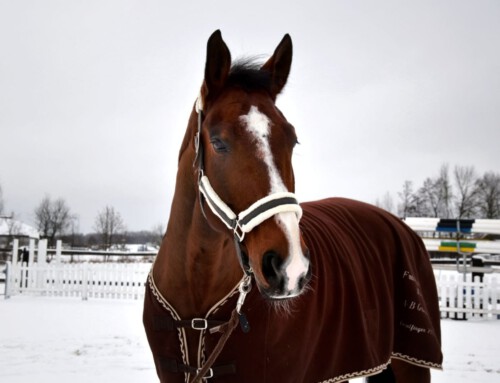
x: 279, y: 65
x: 217, y: 66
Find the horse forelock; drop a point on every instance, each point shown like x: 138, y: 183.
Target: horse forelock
x: 246, y: 73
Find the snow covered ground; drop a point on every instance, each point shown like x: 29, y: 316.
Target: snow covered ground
x: 55, y: 340
x: 70, y: 340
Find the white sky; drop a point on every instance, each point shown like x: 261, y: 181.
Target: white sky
x: 95, y: 95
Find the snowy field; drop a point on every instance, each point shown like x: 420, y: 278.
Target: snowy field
x: 56, y: 340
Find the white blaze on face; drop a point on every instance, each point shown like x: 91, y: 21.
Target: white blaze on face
x: 296, y: 266
x: 258, y: 124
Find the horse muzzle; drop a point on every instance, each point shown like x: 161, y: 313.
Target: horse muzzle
x: 285, y: 279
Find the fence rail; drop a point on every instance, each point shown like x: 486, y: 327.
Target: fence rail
x: 444, y: 225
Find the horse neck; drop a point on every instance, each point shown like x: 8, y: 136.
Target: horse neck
x: 196, y: 265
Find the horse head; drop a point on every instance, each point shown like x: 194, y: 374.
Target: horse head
x: 244, y: 148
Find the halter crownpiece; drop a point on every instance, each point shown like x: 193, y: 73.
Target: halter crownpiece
x: 199, y: 104
x: 198, y: 107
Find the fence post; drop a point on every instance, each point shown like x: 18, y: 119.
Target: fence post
x: 7, y: 280
x: 42, y: 252
x: 85, y: 282
x: 31, y: 258
x: 41, y: 263
x: 15, y: 251
x: 494, y: 296
x: 14, y: 266
x: 443, y: 288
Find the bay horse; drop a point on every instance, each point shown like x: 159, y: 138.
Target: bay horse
x: 323, y: 291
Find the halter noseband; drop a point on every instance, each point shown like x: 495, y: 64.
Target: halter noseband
x: 254, y: 215
x: 257, y: 213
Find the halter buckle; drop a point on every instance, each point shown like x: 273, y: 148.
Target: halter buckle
x: 199, y: 324
x: 244, y: 288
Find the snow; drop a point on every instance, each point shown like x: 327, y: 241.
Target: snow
x: 471, y: 351
x: 70, y: 340
x: 9, y: 226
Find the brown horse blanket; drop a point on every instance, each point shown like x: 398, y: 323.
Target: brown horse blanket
x: 372, y: 298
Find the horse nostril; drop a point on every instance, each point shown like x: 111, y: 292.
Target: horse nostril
x: 271, y: 266
x: 302, y: 282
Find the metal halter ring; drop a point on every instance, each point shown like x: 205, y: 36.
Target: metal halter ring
x: 238, y: 231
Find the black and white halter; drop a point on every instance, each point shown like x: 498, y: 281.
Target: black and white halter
x: 249, y: 218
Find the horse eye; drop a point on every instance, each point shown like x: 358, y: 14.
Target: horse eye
x: 218, y: 145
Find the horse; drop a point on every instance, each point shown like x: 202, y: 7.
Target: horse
x: 249, y: 285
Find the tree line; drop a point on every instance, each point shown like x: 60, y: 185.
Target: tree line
x: 54, y: 220
x: 461, y: 193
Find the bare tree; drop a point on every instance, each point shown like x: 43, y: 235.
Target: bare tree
x: 430, y: 198
x: 445, y: 192
x: 466, y: 198
x: 109, y: 224
x: 407, y: 206
x: 158, y: 231
x: 489, y: 195
x: 436, y: 194
x: 52, y: 218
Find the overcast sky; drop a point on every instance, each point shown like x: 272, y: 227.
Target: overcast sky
x: 95, y: 95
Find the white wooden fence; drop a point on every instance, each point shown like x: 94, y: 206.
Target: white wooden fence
x: 85, y: 280
x: 459, y: 298
x: 465, y: 299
